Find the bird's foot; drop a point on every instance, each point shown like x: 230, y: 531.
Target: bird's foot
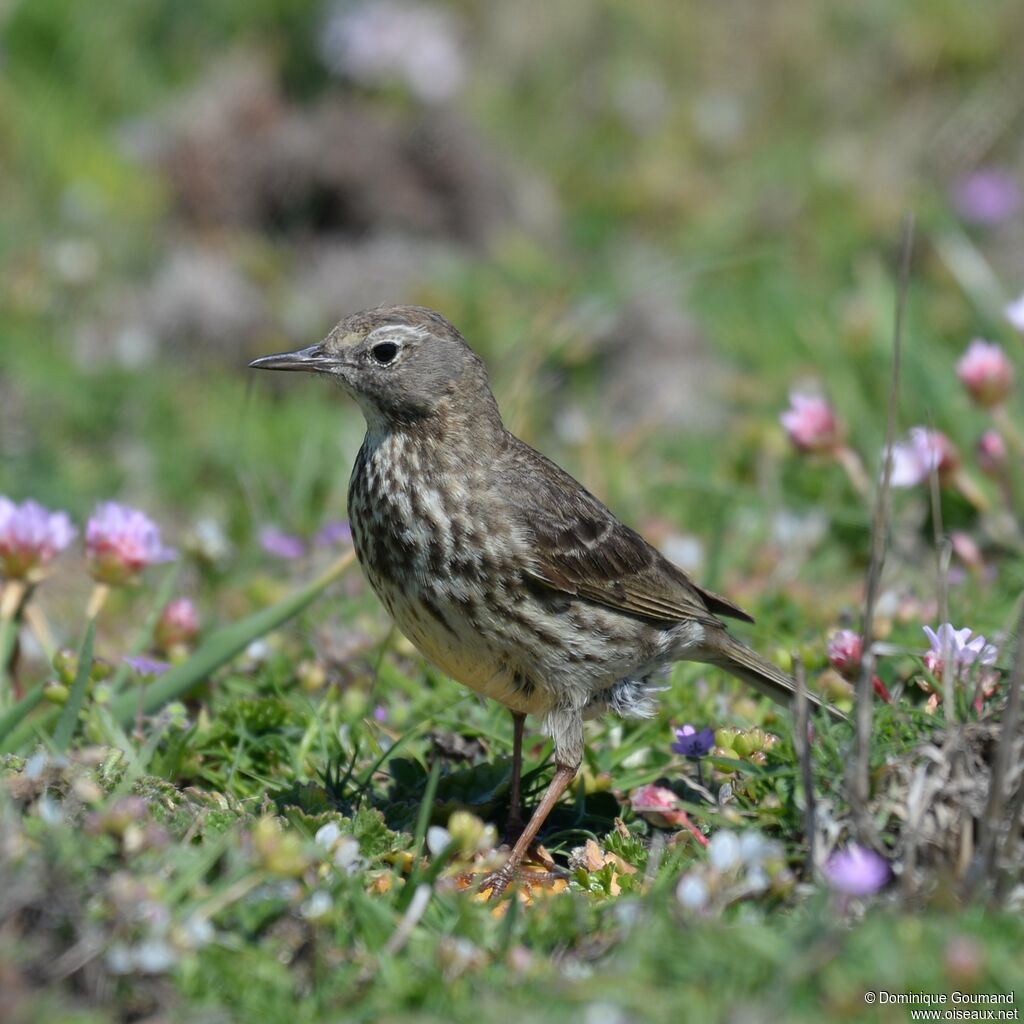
x: 494, y: 885
x: 538, y: 870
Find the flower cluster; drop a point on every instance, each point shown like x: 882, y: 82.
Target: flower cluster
x: 739, y: 866
x: 986, y: 373
x: 924, y: 452
x: 177, y: 626
x: 120, y: 542
x: 811, y: 423
x: 960, y: 649
x: 845, y: 651
x: 380, y: 43
x: 749, y: 745
x: 31, y: 536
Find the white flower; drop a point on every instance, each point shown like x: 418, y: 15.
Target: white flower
x: 346, y: 856
x: 327, y: 835
x: 318, y: 905
x: 724, y: 851
x: 1014, y: 312
x: 692, y: 892
x: 438, y: 839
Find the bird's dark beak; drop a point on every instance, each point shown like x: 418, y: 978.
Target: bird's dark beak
x: 309, y: 359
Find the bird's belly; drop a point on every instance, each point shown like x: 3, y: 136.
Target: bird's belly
x: 455, y: 645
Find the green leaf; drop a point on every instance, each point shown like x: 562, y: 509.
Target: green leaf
x: 68, y: 720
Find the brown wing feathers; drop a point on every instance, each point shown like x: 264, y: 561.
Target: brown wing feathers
x: 580, y: 548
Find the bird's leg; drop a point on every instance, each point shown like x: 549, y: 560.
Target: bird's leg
x: 498, y: 882
x: 514, y: 826
x: 565, y: 725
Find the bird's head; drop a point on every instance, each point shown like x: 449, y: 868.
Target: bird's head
x: 400, y: 363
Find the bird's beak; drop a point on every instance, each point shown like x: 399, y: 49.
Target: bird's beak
x: 310, y: 359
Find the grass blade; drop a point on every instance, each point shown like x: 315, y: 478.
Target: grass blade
x: 68, y: 720
x: 14, y: 717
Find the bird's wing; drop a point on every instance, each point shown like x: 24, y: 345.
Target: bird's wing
x: 578, y: 547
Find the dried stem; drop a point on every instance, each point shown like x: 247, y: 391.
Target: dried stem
x: 860, y: 787
x: 801, y: 742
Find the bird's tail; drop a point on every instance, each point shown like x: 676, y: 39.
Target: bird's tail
x: 738, y: 659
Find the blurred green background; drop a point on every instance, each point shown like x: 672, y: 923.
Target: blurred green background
x: 653, y: 220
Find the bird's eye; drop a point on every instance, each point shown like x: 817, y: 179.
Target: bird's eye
x: 384, y: 352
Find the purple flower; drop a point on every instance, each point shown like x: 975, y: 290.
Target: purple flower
x: 30, y: 538
x: 280, y: 544
x: 958, y: 647
x: 987, y: 196
x: 390, y: 41
x: 691, y: 743
x: 924, y: 452
x: 146, y: 666
x: 120, y: 542
x: 336, y: 532
x: 857, y: 871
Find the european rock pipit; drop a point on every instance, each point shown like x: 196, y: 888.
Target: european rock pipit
x: 502, y: 569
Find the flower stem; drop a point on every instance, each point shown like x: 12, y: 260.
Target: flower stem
x: 1008, y: 428
x: 36, y: 620
x: 854, y: 469
x: 11, y: 604
x: 971, y: 491
x: 97, y: 599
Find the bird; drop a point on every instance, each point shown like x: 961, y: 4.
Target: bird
x: 502, y: 569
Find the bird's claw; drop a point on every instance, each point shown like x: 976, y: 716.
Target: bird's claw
x: 495, y: 884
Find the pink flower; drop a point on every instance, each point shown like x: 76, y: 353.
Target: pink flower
x: 957, y: 647
x: 991, y: 453
x: 856, y: 871
x: 178, y: 624
x: 986, y: 372
x: 120, y: 542
x: 924, y: 452
x: 1014, y: 312
x: 30, y: 538
x: 658, y: 805
x: 987, y: 196
x: 811, y: 423
x: 845, y: 650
